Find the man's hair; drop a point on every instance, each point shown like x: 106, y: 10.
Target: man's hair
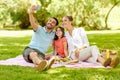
x: 56, y: 20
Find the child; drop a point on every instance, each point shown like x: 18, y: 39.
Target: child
x: 60, y: 45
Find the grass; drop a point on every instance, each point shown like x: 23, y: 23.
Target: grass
x: 11, y: 46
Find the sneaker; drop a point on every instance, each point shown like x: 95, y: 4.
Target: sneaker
x: 107, y: 62
x: 50, y: 62
x: 41, y: 66
x: 114, y: 62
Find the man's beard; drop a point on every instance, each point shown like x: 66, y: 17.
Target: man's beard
x: 50, y: 28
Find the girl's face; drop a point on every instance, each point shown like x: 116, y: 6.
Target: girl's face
x: 66, y: 22
x: 59, y: 32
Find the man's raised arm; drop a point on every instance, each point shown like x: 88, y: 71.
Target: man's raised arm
x: 32, y: 19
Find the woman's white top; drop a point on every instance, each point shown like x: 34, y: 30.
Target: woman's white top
x: 78, y: 39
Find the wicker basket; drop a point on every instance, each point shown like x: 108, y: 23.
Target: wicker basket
x: 106, y: 52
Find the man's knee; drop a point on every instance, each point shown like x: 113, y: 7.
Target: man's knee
x: 33, y: 54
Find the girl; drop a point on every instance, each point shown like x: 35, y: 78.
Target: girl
x: 60, y: 45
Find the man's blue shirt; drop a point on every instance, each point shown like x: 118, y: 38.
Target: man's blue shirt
x: 41, y: 39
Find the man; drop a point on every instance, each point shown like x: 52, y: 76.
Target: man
x: 40, y: 42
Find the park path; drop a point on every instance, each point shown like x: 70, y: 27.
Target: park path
x: 21, y: 33
x: 18, y: 33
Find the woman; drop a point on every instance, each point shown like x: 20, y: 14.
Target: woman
x: 78, y: 44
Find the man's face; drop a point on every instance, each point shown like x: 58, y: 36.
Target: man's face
x: 51, y: 23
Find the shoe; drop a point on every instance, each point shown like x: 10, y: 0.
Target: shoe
x: 41, y: 66
x: 107, y: 62
x: 115, y: 61
x: 49, y: 63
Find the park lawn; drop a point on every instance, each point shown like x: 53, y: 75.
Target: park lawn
x: 13, y: 46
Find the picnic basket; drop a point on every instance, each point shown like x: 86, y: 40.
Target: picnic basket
x: 109, y: 50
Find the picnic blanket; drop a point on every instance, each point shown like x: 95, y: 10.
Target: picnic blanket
x: 19, y: 60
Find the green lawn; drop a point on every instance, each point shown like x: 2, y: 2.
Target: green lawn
x: 11, y: 46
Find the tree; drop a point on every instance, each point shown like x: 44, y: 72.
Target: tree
x: 114, y: 2
x: 42, y: 15
x: 19, y: 13
x: 14, y: 13
x: 4, y: 15
x: 84, y: 12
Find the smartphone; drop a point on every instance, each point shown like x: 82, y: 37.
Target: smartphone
x: 38, y: 7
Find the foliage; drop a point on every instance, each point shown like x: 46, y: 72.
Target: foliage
x: 85, y: 13
x: 4, y: 15
x: 114, y: 2
x: 21, y: 19
x: 42, y: 15
x: 17, y: 11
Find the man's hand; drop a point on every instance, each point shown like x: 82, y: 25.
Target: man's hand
x: 32, y: 9
x: 32, y: 19
x: 47, y: 57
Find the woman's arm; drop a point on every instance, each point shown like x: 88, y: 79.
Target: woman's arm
x: 85, y: 41
x: 84, y: 38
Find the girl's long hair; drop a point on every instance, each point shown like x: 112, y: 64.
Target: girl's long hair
x: 63, y: 33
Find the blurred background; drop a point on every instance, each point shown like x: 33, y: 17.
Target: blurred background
x: 90, y: 14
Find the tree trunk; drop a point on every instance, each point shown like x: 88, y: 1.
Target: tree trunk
x: 106, y: 18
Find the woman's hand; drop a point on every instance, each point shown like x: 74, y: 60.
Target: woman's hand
x: 77, y: 53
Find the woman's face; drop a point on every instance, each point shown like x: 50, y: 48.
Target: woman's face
x: 59, y: 32
x: 66, y: 22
